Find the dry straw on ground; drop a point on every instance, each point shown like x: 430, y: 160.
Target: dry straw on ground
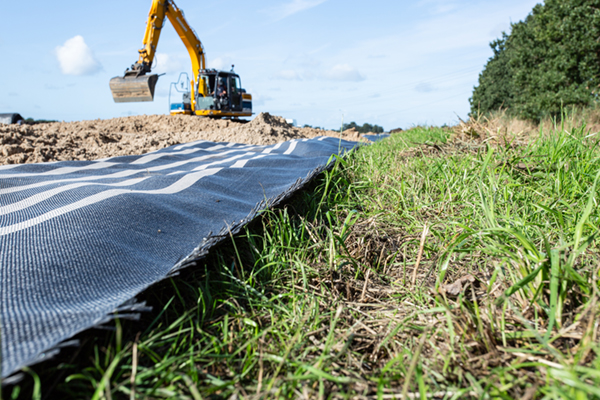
x: 499, y: 127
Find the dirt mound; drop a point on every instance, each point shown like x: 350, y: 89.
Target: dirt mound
x: 352, y: 134
x: 263, y: 119
x: 90, y: 140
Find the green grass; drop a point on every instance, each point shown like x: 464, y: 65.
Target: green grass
x: 420, y: 267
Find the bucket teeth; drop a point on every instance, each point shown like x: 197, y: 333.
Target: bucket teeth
x: 132, y: 89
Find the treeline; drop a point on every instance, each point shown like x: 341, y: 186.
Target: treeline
x: 365, y: 128
x: 549, y: 61
x: 31, y: 121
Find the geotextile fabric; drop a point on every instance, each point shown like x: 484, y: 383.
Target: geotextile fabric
x: 80, y: 239
x: 376, y: 137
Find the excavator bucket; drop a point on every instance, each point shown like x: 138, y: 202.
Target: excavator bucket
x: 133, y: 88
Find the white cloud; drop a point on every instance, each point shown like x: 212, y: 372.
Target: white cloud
x: 76, y: 58
x: 259, y: 99
x: 166, y: 64
x: 293, y: 7
x: 222, y: 63
x: 343, y: 72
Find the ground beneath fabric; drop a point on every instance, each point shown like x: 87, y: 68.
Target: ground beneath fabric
x: 91, y: 140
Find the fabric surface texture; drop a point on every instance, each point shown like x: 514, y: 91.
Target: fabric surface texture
x: 80, y: 239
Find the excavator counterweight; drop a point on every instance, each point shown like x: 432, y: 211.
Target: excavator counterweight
x: 133, y: 88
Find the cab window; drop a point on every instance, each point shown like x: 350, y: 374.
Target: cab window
x: 234, y: 84
x: 206, y: 82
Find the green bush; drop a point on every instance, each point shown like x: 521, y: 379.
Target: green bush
x: 549, y: 61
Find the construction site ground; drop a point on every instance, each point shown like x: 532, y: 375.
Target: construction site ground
x: 97, y: 139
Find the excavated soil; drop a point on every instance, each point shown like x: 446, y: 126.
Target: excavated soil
x: 90, y: 140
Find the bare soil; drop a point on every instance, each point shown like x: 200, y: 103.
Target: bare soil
x: 96, y: 139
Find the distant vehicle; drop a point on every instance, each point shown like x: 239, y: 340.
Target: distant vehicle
x: 210, y: 93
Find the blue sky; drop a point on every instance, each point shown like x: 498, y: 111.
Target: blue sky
x: 392, y: 63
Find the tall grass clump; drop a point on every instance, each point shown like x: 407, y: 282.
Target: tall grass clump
x: 513, y: 248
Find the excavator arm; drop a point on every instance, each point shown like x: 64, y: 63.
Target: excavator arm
x: 137, y: 84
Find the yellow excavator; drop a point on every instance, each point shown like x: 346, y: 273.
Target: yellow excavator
x: 210, y: 92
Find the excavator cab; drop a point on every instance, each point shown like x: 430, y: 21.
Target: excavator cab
x: 222, y: 92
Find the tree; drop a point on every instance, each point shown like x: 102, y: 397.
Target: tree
x: 549, y: 60
x: 365, y: 128
x: 494, y: 90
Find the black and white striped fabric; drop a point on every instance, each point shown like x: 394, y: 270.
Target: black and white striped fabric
x: 80, y: 239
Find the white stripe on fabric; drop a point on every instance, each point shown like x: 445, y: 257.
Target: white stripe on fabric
x: 183, y: 146
x: 155, y: 156
x: 242, y: 163
x: 120, y: 174
x: 292, y: 147
x: 63, y: 170
x: 104, y: 164
x: 39, y: 197
x: 182, y: 184
x: 222, y: 161
x: 278, y: 145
